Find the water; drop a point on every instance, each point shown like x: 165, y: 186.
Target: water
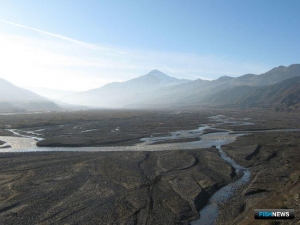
x: 25, y: 144
x: 28, y: 139
x: 182, y: 134
x: 210, y: 212
x: 208, y: 215
x: 29, y: 134
x: 18, y: 144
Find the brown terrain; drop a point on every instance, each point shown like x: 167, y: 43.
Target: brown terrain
x: 108, y: 187
x: 275, y: 172
x: 168, y: 187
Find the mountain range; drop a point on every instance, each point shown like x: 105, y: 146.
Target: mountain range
x: 278, y: 89
x: 280, y: 96
x: 16, y: 99
x: 120, y: 94
x: 158, y: 90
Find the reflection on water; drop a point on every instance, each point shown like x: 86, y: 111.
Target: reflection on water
x: 205, y: 141
x: 29, y: 134
x: 182, y: 134
x: 17, y: 143
x: 209, y: 213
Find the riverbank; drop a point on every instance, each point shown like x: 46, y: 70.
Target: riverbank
x: 101, y: 127
x: 127, y: 128
x: 275, y: 177
x: 108, y: 187
x: 152, y: 187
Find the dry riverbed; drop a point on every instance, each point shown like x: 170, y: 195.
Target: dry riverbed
x: 108, y: 187
x: 168, y: 187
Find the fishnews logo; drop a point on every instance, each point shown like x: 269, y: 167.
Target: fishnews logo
x: 274, y: 214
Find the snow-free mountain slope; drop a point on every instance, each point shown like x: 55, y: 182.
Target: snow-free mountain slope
x: 284, y: 95
x: 226, y: 89
x: 118, y: 94
x: 10, y: 92
x: 16, y: 99
x: 158, y: 90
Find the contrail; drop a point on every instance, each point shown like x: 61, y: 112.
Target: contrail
x: 84, y: 44
x: 48, y: 33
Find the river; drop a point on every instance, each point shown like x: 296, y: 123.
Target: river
x: 208, y: 215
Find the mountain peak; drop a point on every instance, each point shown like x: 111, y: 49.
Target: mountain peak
x: 225, y: 78
x: 276, y: 69
x: 157, y: 73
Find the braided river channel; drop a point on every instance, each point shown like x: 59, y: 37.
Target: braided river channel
x: 209, y: 213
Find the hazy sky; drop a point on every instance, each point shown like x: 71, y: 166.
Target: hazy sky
x: 84, y: 44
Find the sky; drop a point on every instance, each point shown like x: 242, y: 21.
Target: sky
x: 83, y: 44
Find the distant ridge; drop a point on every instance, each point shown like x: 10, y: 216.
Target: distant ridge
x: 16, y: 99
x: 118, y: 94
x: 10, y: 92
x: 224, y: 90
x: 281, y: 96
x: 158, y: 90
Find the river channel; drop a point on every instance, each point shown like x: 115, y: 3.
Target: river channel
x: 208, y: 215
